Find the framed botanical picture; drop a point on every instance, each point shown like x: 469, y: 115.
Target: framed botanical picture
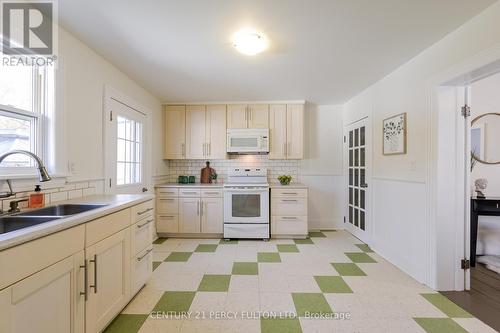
x: 394, y: 135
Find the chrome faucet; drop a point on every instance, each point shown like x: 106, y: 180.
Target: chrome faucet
x: 44, y: 175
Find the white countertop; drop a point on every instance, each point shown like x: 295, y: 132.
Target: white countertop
x: 114, y: 203
x: 220, y: 185
x: 292, y: 185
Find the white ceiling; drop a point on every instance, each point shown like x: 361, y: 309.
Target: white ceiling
x: 324, y: 51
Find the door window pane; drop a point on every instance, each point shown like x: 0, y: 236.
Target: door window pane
x: 351, y: 142
x: 350, y: 214
x: 356, y: 137
x: 245, y: 205
x: 362, y: 157
x: 362, y: 136
x: 356, y: 158
x: 356, y: 217
x: 362, y: 220
x: 362, y: 199
x: 129, y: 151
x: 356, y: 177
x: 362, y: 176
x: 351, y: 158
x: 350, y: 196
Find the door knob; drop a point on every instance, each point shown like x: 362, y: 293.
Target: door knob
x: 364, y: 185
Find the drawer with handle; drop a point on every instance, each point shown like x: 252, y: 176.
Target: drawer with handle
x: 214, y: 193
x: 289, y: 225
x: 142, y: 268
x: 142, y: 210
x: 167, y: 205
x: 167, y: 192
x: 289, y: 193
x: 167, y: 223
x: 142, y: 235
x: 189, y: 192
x: 289, y: 206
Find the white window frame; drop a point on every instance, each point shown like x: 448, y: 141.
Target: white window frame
x: 37, y: 116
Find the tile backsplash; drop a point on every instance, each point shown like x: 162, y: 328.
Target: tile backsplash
x: 66, y: 192
x: 274, y: 167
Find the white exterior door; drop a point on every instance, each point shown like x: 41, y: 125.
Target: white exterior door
x: 126, y: 148
x: 357, y: 148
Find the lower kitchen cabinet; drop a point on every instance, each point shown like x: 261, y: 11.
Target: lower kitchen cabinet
x: 189, y: 215
x: 108, y: 279
x: 49, y: 301
x: 212, y: 215
x: 189, y: 210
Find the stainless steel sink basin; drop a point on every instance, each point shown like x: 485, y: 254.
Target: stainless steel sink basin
x: 61, y: 210
x: 12, y: 223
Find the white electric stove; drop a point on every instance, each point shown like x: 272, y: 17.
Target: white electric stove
x: 246, y: 204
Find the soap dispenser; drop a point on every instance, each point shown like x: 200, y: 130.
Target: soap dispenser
x: 37, y: 198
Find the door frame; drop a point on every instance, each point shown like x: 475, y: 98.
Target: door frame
x: 366, y: 236
x: 112, y: 94
x: 449, y: 226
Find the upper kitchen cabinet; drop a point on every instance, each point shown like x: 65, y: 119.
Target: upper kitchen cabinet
x: 175, y: 132
x: 215, y: 131
x: 286, y: 126
x: 205, y: 132
x: 247, y: 116
x: 195, y: 132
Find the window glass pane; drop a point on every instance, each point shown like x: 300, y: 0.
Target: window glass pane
x: 16, y: 87
x: 356, y: 177
x: 350, y: 140
x: 356, y: 219
x: 356, y: 197
x: 362, y: 157
x: 350, y: 196
x: 351, y: 158
x: 350, y: 214
x: 16, y: 132
x: 362, y: 136
x: 362, y: 176
x: 362, y: 220
x: 356, y: 157
x: 356, y: 137
x: 351, y: 175
x: 362, y: 199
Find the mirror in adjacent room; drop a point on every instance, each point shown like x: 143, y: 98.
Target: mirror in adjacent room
x: 485, y: 138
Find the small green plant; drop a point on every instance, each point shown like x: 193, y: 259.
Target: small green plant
x: 285, y: 179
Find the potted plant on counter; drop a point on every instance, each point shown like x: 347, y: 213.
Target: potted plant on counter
x: 285, y: 179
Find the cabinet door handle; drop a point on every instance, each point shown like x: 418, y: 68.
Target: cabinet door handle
x: 145, y: 254
x: 85, y: 291
x: 201, y: 205
x: 289, y: 200
x: 209, y: 149
x: 211, y: 192
x: 288, y: 148
x: 144, y: 211
x: 284, y: 149
x: 94, y: 261
x: 190, y: 192
x: 198, y: 210
x: 163, y: 199
x: 167, y: 216
x: 289, y: 218
x: 139, y: 226
x: 290, y: 193
x: 183, y: 149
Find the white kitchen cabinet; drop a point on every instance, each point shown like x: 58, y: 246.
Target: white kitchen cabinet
x: 277, y: 131
x: 286, y: 125
x: 289, y: 212
x: 196, y: 145
x: 205, y: 132
x: 212, y: 218
x: 109, y: 279
x: 237, y: 116
x: 247, y: 116
x: 48, y: 301
x: 142, y: 267
x: 175, y: 132
x: 215, y: 131
x: 258, y: 116
x: 295, y: 131
x: 189, y: 215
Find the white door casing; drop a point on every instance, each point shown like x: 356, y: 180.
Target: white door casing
x: 118, y: 108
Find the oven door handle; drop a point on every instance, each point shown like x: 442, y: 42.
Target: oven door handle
x: 246, y: 190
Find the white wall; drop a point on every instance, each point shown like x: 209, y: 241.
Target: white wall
x: 82, y: 75
x: 321, y: 168
x: 406, y: 176
x: 485, y: 96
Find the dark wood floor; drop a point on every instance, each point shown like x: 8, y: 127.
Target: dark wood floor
x: 483, y: 300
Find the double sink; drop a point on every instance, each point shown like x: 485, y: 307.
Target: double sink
x: 38, y: 216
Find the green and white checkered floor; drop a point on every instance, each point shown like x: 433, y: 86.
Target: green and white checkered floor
x: 327, y: 283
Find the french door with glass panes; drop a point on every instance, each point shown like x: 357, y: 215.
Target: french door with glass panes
x: 357, y: 150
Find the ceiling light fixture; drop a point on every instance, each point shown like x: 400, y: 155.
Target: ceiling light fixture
x: 249, y: 42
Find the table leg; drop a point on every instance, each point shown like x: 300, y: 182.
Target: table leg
x: 473, y: 235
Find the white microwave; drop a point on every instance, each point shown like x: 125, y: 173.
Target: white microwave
x: 248, y: 141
